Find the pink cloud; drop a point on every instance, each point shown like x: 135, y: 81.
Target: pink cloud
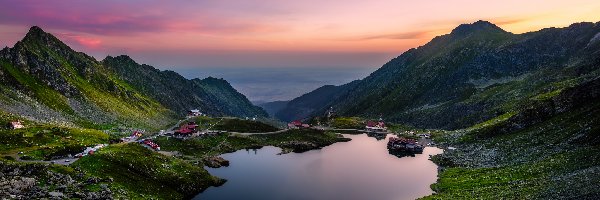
x: 121, y: 19
x: 85, y: 41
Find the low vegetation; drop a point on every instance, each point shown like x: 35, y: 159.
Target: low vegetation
x: 348, y: 123
x: 293, y: 140
x: 545, y: 151
x: 130, y: 170
x: 244, y: 126
x: 142, y: 173
x: 233, y: 125
x: 45, y: 142
x: 43, y: 181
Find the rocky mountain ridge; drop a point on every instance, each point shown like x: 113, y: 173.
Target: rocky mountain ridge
x: 45, y: 80
x: 475, y: 73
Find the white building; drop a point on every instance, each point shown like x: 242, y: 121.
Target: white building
x: 16, y: 125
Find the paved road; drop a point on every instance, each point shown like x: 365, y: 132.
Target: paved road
x: 57, y: 161
x: 68, y: 161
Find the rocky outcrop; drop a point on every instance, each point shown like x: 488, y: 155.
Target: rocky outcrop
x: 36, y: 181
x: 541, y: 110
x: 215, y: 162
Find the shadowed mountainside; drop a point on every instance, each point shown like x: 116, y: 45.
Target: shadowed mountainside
x: 475, y: 73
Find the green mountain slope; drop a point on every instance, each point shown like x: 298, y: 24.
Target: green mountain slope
x: 548, y: 149
x: 475, y: 73
x: 210, y: 95
x: 44, y: 80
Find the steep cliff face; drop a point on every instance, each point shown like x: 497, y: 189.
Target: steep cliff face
x: 45, y: 80
x: 475, y: 73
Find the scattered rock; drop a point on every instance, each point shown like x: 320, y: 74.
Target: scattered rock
x: 215, y: 162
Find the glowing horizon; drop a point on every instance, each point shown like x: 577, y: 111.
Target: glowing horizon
x: 270, y: 33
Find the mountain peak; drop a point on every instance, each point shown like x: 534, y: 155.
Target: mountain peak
x: 38, y: 36
x: 35, y: 32
x: 123, y: 57
x: 36, y: 29
x: 476, y: 27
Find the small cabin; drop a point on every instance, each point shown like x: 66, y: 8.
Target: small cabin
x: 187, y: 129
x: 297, y: 124
x: 376, y: 126
x: 16, y: 125
x: 136, y: 134
x: 151, y: 144
x: 194, y: 112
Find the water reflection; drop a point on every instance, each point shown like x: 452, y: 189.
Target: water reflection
x: 378, y: 136
x: 359, y: 169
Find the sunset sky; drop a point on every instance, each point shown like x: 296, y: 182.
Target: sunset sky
x: 350, y: 34
x: 272, y: 49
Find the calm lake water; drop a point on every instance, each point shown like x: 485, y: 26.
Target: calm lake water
x: 359, y: 169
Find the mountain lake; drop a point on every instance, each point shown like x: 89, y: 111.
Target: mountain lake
x: 358, y: 169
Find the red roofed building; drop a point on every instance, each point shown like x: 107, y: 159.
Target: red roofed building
x: 376, y: 126
x: 187, y: 129
x: 151, y: 144
x: 297, y: 124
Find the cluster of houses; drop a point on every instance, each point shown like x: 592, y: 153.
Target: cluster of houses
x: 297, y: 125
x: 150, y: 144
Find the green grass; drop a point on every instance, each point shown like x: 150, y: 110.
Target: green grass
x: 215, y: 145
x: 98, y: 86
x: 493, y: 121
x: 556, y: 158
x: 142, y: 173
x: 46, y: 141
x: 536, y: 180
x: 244, y: 126
x: 41, y: 91
x: 348, y: 123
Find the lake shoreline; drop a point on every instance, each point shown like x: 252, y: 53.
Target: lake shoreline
x: 276, y: 154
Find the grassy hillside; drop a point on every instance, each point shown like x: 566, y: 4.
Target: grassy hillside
x: 549, y: 149
x: 210, y: 95
x: 142, y: 173
x: 44, y: 80
x: 244, y: 126
x: 45, y: 142
x: 475, y: 73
